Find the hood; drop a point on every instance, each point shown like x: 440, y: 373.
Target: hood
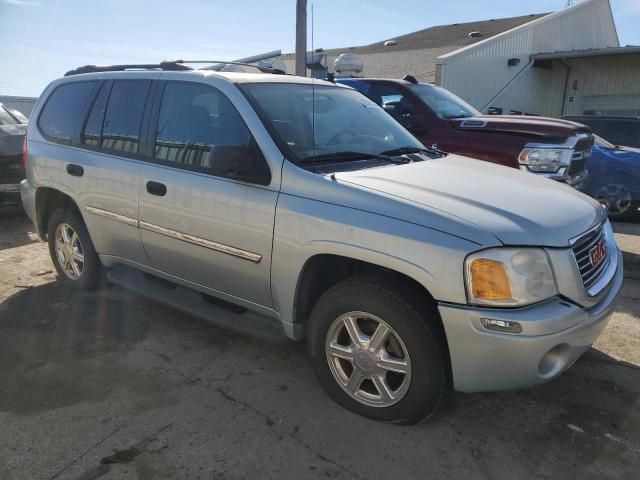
x: 549, y: 129
x: 518, y: 208
x: 614, y: 159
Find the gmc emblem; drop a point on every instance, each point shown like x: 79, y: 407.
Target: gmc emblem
x: 597, y: 253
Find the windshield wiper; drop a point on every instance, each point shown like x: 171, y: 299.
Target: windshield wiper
x: 350, y: 156
x: 408, y: 150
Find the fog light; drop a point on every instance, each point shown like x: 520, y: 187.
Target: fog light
x: 504, y: 326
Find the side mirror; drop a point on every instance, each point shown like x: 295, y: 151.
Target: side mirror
x: 240, y: 162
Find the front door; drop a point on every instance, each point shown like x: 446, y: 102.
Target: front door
x: 197, y: 223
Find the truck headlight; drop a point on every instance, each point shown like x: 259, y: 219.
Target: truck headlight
x: 545, y: 160
x: 509, y: 277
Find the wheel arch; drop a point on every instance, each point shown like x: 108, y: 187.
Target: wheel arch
x: 48, y: 200
x: 322, y: 271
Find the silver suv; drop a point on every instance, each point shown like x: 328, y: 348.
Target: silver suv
x: 288, y: 206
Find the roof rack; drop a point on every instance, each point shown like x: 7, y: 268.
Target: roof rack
x: 166, y: 65
x: 169, y: 65
x: 218, y: 65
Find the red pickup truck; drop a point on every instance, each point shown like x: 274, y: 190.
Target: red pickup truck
x: 558, y: 149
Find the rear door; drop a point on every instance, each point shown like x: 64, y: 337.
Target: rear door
x: 94, y: 130
x: 198, y: 223
x: 113, y: 137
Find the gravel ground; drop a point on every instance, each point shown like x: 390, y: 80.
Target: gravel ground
x: 110, y: 385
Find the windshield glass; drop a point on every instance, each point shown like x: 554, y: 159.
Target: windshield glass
x: 444, y: 103
x: 326, y: 120
x: 601, y: 142
x: 6, y: 118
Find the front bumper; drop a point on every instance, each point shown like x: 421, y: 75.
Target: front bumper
x: 555, y: 334
x: 577, y: 181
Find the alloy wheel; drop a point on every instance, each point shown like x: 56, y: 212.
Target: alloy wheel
x: 69, y: 251
x: 368, y: 359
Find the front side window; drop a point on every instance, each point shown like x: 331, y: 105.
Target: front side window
x: 391, y: 99
x: 197, y: 124
x: 62, y: 111
x: 315, y: 121
x: 123, y: 117
x: 444, y: 103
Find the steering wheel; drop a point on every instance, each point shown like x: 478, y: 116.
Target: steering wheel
x: 341, y: 138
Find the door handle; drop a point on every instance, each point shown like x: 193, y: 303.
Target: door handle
x: 156, y: 188
x: 75, y: 170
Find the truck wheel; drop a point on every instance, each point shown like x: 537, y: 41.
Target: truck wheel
x: 72, y: 251
x: 619, y: 201
x: 378, y: 350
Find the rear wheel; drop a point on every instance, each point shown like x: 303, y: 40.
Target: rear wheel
x: 71, y: 250
x: 379, y: 350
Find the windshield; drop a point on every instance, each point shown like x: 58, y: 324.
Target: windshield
x: 6, y: 118
x: 444, y: 103
x: 325, y: 120
x: 601, y: 142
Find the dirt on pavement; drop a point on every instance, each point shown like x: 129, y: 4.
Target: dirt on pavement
x: 109, y: 385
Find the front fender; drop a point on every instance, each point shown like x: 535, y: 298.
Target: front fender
x: 305, y: 228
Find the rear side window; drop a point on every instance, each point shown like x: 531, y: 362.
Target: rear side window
x: 193, y: 120
x: 123, y: 117
x: 61, y: 113
x: 93, y: 128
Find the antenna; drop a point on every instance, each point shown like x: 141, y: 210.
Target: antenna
x: 313, y: 90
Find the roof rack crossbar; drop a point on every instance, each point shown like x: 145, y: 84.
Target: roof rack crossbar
x: 218, y: 65
x: 166, y: 65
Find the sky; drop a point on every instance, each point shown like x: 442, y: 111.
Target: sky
x: 42, y: 39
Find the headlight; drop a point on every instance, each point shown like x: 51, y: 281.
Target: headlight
x: 509, y: 277
x: 547, y: 160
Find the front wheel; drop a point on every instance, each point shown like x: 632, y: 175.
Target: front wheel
x: 379, y: 350
x: 72, y: 251
x: 618, y: 200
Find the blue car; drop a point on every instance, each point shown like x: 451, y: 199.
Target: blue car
x: 614, y: 179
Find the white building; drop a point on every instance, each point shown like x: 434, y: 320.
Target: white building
x: 564, y: 63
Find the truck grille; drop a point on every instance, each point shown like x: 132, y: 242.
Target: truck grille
x: 581, y: 155
x: 577, y: 166
x: 585, y: 253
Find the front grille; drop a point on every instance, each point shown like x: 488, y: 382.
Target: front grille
x: 581, y: 250
x: 577, y: 166
x: 584, y: 143
x: 581, y: 155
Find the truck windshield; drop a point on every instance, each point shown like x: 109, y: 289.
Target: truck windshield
x: 325, y: 121
x: 444, y: 103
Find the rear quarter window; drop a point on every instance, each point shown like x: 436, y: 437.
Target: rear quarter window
x: 63, y: 109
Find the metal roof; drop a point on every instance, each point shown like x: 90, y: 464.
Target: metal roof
x: 593, y: 52
x: 442, y: 37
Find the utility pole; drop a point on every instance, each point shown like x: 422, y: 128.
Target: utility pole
x: 301, y: 38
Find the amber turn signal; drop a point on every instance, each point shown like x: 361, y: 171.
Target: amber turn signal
x: 489, y: 280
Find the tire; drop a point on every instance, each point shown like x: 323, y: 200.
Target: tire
x: 415, y: 343
x: 85, y: 274
x: 618, y: 199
